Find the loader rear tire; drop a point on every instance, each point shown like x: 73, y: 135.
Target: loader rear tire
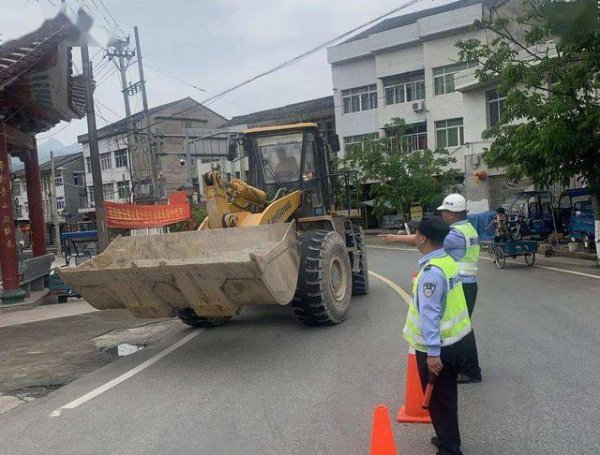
x: 324, y: 289
x: 360, y: 279
x: 188, y: 316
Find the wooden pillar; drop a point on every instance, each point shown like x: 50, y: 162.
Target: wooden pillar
x: 11, y: 292
x: 34, y: 202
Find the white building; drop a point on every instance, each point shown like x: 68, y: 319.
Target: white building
x: 408, y: 67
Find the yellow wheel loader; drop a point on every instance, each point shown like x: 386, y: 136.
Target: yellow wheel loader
x: 274, y: 240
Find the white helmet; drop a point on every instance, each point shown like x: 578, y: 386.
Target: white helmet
x: 454, y: 203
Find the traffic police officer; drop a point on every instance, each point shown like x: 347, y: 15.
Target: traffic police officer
x: 436, y: 326
x: 462, y: 244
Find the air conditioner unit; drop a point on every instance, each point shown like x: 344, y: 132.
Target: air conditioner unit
x: 418, y: 106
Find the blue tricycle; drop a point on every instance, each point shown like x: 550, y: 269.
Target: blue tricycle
x: 509, y: 247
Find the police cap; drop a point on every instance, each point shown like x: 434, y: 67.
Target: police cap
x: 432, y: 227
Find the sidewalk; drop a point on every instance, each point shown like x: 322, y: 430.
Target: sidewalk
x: 52, y: 345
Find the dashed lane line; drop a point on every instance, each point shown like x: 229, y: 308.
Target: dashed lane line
x: 124, y: 377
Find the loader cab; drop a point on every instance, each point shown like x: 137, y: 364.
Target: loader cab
x: 291, y: 157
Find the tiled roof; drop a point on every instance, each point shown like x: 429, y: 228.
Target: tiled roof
x: 296, y: 110
x: 120, y: 126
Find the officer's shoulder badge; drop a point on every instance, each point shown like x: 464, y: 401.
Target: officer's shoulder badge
x: 428, y: 289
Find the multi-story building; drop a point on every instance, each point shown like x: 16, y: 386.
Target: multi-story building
x: 408, y: 67
x: 70, y: 191
x: 126, y: 172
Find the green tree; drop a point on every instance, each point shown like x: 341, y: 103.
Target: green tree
x: 547, y: 63
x: 400, y: 177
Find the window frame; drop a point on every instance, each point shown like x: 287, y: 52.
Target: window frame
x: 445, y: 75
x: 442, y: 126
x: 398, y: 87
x: 363, y: 98
x: 121, y: 155
x: 123, y: 189
x: 498, y: 101
x: 106, y: 161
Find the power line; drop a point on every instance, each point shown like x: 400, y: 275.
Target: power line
x: 112, y: 17
x: 111, y: 110
x: 293, y: 60
x: 175, y: 78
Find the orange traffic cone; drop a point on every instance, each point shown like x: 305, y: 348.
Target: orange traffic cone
x: 412, y: 410
x: 382, y: 438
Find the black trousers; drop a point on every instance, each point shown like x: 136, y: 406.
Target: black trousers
x: 470, y: 366
x: 443, y: 406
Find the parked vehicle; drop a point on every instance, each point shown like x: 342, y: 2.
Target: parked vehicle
x: 577, y: 216
x: 79, y: 247
x: 532, y: 211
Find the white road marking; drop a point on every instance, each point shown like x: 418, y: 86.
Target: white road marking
x: 118, y: 380
x: 572, y: 272
x: 405, y: 296
x: 555, y: 269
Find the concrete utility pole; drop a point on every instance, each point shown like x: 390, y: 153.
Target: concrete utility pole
x: 94, y: 153
x: 121, y: 51
x: 54, y: 206
x: 157, y: 191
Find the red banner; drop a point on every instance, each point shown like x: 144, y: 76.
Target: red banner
x: 132, y: 216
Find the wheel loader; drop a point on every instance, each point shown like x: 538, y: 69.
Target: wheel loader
x: 275, y: 239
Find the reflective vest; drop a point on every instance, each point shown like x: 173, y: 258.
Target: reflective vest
x: 455, y: 323
x: 468, y: 263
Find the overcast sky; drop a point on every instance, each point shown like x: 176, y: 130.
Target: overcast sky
x: 212, y: 44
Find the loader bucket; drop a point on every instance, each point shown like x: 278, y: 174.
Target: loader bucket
x: 212, y: 271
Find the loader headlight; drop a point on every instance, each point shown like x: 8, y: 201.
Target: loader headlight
x: 308, y: 175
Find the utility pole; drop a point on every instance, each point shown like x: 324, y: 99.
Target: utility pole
x: 94, y: 154
x: 121, y: 51
x: 54, y: 206
x: 157, y: 191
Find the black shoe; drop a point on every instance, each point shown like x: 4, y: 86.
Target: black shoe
x: 435, y: 441
x: 464, y: 379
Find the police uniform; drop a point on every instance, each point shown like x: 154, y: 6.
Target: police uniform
x: 462, y: 244
x: 436, y: 325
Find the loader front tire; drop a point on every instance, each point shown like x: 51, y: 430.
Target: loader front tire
x: 188, y: 316
x: 324, y: 289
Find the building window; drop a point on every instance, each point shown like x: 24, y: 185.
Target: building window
x: 495, y: 106
x: 19, y: 212
x: 449, y: 133
x: 88, y: 165
x: 60, y: 203
x: 17, y: 188
x: 105, y: 161
x: 108, y: 191
x: 360, y: 98
x: 415, y: 138
x: 58, y: 181
x: 78, y: 179
x: 121, y: 158
x: 123, y: 190
x: 443, y: 77
x: 404, y: 88
x: 359, y: 140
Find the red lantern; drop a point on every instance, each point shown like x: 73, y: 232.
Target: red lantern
x: 480, y: 175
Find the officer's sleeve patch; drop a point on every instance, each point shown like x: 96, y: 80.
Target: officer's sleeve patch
x: 428, y: 289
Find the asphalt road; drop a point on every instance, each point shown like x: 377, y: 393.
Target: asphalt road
x: 267, y: 385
